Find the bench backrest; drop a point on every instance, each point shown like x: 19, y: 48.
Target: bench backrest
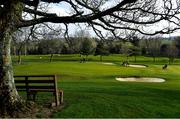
x: 46, y: 83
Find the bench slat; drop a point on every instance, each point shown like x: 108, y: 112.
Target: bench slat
x: 38, y: 83
x: 35, y: 87
x: 34, y: 81
x: 38, y: 90
x: 34, y: 76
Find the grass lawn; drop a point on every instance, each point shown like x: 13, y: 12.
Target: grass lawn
x: 90, y: 89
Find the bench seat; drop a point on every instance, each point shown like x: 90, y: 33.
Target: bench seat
x: 39, y: 84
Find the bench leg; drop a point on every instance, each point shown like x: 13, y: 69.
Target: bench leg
x: 61, y: 94
x: 57, y: 98
x: 31, y: 96
x: 34, y: 96
x: 28, y: 96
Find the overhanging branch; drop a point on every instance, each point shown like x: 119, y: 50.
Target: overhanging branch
x: 39, y: 13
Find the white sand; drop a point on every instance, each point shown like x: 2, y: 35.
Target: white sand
x: 141, y: 79
x: 108, y: 63
x: 137, y: 66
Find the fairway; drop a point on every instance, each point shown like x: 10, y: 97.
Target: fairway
x: 91, y: 88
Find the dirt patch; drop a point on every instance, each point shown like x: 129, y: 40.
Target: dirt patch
x: 141, y: 79
x: 45, y: 112
x: 137, y: 66
x: 33, y: 110
x: 21, y: 109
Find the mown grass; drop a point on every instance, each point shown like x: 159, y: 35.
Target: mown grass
x: 90, y: 89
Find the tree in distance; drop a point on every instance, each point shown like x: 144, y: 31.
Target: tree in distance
x: 123, y: 15
x: 101, y: 50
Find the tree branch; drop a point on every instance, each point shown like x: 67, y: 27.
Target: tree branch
x: 39, y: 13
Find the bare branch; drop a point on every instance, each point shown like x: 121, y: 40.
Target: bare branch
x: 127, y: 14
x: 39, y: 13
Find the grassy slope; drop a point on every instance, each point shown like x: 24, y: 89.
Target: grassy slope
x: 92, y: 91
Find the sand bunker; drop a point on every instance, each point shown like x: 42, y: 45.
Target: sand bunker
x: 137, y: 66
x: 141, y: 79
x: 108, y: 63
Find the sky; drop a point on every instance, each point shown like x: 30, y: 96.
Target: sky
x: 63, y: 9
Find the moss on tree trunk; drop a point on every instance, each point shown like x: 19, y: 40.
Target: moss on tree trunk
x: 9, y: 98
x: 10, y: 101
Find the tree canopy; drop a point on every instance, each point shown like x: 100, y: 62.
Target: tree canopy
x: 121, y: 14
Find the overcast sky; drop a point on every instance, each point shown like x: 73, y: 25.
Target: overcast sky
x: 63, y: 9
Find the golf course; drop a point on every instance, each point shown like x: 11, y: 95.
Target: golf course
x: 92, y: 91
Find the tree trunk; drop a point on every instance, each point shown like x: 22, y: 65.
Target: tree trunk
x: 51, y: 57
x: 25, y: 49
x: 173, y: 58
x: 14, y: 48
x: 9, y: 98
x: 19, y: 54
x: 127, y: 58
x: 86, y: 57
x: 154, y: 59
x: 19, y: 58
x: 101, y: 58
x: 169, y: 60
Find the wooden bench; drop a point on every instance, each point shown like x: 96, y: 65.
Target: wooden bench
x: 39, y: 83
